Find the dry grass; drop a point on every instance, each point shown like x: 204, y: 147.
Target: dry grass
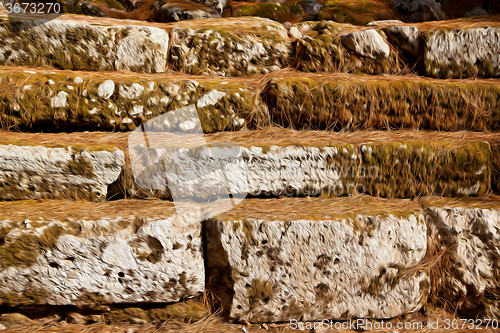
x: 419, y: 322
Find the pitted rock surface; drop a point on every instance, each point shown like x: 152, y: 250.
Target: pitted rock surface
x: 344, y: 269
x: 83, y: 46
x: 239, y: 47
x: 87, y: 262
x: 473, y: 240
x: 290, y: 170
x: 463, y: 52
x: 35, y: 172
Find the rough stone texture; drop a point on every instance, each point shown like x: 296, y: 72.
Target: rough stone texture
x: 462, y: 52
x: 419, y: 10
x: 230, y: 47
x: 121, y: 103
x: 83, y: 46
x: 300, y: 171
x: 87, y: 262
x: 34, y: 172
x: 367, y: 43
x: 345, y: 267
x: 272, y: 171
x: 405, y: 38
x: 471, y: 240
x: 326, y: 48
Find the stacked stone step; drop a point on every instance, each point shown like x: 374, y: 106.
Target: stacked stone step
x: 65, y: 241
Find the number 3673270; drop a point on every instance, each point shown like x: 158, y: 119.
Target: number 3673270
x: 33, y: 8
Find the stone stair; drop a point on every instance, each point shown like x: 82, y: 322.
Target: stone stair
x: 371, y: 158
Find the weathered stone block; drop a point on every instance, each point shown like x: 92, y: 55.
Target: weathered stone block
x: 36, y: 172
x: 230, y: 47
x: 123, y: 102
x: 78, y: 45
x: 278, y: 270
x: 91, y: 254
x: 469, y: 241
x: 462, y: 52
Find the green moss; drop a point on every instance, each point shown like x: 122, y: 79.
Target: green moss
x: 324, y: 52
x: 249, y: 240
x: 80, y: 166
x: 358, y: 12
x: 413, y: 169
x: 31, y: 296
x: 259, y: 291
x: 24, y: 250
x: 271, y: 10
x: 356, y: 105
x: 31, y: 108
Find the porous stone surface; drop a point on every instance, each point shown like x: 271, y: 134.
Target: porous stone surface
x: 462, y: 52
x: 471, y: 240
x: 34, y: 172
x: 83, y: 46
x: 323, y: 49
x: 367, y: 43
x: 419, y: 10
x: 288, y: 170
x: 230, y: 47
x: 132, y: 258
x: 346, y: 268
x: 406, y: 38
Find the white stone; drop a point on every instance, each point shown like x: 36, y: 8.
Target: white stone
x: 383, y: 22
x: 210, y: 98
x: 131, y: 92
x: 109, y: 261
x: 137, y: 109
x: 463, y: 49
x: 473, y: 238
x: 59, y: 101
x: 328, y: 277
x: 131, y: 55
x: 78, y: 80
x: 367, y: 43
x: 294, y: 32
x: 106, y: 89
